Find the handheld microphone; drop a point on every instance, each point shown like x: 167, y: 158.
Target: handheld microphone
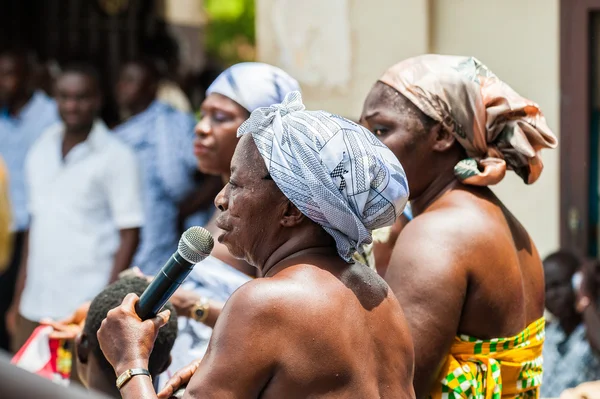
x: 194, y: 246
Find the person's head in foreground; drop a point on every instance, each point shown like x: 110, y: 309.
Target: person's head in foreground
x: 309, y: 177
x: 443, y: 114
x: 306, y: 190
x: 559, y: 271
x: 464, y: 268
x: 230, y: 99
x: 94, y: 370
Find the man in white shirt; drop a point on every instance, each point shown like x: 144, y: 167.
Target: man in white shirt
x: 85, y: 203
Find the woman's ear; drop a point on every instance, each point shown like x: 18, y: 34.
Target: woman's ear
x: 291, y: 215
x: 443, y: 139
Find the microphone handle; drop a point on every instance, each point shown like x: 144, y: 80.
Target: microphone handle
x: 164, y: 284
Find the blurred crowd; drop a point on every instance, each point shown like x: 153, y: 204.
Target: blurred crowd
x: 84, y: 202
x: 90, y: 213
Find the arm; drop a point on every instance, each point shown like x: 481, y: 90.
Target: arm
x: 11, y: 314
x: 244, y: 347
x: 129, y: 239
x: 425, y: 275
x: 184, y: 300
x: 241, y: 354
x: 124, y: 194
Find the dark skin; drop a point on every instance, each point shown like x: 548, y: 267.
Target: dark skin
x: 15, y: 91
x: 464, y: 265
x: 216, y: 139
x: 560, y: 296
x: 382, y: 251
x: 136, y: 88
x: 275, y: 332
x: 89, y: 371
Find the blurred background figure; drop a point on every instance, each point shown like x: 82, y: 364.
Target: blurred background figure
x: 84, y: 198
x: 161, y: 137
x: 5, y: 220
x: 569, y: 357
x: 24, y: 115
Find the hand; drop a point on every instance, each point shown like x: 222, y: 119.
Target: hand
x: 125, y: 339
x: 587, y: 390
x: 183, y: 301
x: 179, y: 380
x: 11, y: 319
x: 69, y: 327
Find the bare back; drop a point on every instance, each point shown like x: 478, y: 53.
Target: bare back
x: 331, y: 332
x: 464, y: 266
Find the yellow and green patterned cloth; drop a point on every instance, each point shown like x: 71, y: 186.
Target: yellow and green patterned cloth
x: 494, y: 369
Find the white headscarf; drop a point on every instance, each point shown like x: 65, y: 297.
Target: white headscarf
x: 254, y: 85
x: 336, y: 172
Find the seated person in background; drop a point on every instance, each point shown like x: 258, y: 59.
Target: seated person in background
x: 568, y: 358
x: 306, y: 190
x: 465, y: 271
x: 93, y: 369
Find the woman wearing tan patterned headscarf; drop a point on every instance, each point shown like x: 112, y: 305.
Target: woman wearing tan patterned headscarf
x: 467, y: 274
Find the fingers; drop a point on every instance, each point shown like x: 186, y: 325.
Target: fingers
x: 67, y: 335
x: 129, y: 302
x: 161, y: 319
x: 180, y: 378
x: 169, y: 388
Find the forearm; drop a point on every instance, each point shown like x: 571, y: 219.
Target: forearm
x: 185, y: 302
x: 213, y: 313
x: 139, y: 386
x: 124, y: 256
x: 22, y: 272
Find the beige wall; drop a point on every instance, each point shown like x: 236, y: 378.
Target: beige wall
x: 518, y: 40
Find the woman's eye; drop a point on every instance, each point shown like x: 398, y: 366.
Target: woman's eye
x: 380, y: 131
x: 220, y: 118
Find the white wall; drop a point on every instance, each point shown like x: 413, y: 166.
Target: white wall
x: 518, y: 40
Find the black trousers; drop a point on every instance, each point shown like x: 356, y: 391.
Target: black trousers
x: 8, y: 280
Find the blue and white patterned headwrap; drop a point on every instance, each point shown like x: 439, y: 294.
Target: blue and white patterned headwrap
x: 336, y: 172
x: 254, y: 85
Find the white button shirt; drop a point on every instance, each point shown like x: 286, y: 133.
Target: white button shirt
x: 77, y: 206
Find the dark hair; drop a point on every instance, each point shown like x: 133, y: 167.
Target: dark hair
x: 81, y: 68
x: 148, y: 64
x: 110, y: 298
x: 565, y: 259
x: 23, y: 56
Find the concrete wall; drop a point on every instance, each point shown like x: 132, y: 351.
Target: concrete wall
x: 518, y: 40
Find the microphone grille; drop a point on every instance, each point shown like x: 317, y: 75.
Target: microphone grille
x: 195, y: 244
